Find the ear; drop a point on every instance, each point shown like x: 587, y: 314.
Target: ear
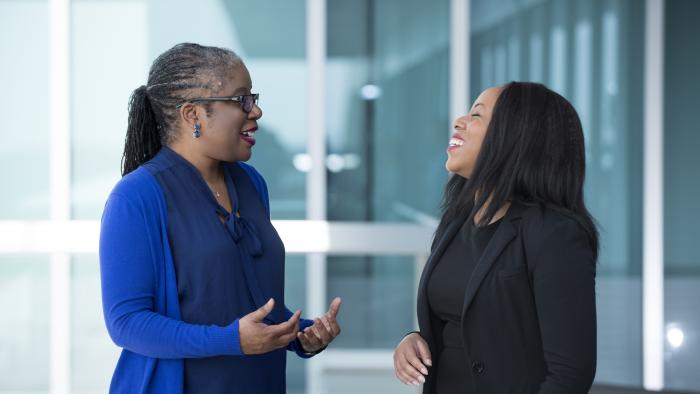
x: 190, y: 114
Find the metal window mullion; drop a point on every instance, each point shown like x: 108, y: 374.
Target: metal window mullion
x: 459, y: 55
x: 653, y: 231
x: 316, y: 179
x: 59, y: 195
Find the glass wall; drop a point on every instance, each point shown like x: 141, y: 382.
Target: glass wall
x: 24, y: 176
x: 681, y: 194
x: 387, y: 108
x: 590, y: 52
x: 24, y: 151
x: 387, y: 126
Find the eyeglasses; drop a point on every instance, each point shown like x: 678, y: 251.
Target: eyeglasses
x: 247, y: 101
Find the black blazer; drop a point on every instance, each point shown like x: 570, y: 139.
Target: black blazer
x: 529, y: 314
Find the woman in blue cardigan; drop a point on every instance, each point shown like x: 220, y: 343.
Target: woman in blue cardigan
x: 192, y: 269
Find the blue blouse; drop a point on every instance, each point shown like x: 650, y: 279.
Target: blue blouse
x: 222, y: 272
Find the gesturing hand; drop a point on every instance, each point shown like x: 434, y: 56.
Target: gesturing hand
x: 257, y: 337
x: 323, y: 331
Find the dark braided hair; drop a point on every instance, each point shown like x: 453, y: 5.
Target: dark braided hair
x: 175, y: 76
x: 533, y: 153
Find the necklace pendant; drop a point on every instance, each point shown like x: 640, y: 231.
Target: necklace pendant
x: 218, y: 195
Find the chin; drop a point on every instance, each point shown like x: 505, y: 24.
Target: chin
x: 451, y: 166
x: 244, y: 156
x: 241, y: 157
x: 234, y: 154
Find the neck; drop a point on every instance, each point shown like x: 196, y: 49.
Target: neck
x: 500, y: 213
x: 209, y: 168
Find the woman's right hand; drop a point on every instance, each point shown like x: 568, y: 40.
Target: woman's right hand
x: 257, y: 337
x: 412, y: 359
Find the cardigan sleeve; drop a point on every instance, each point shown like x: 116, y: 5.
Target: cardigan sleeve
x: 128, y: 254
x: 564, y: 291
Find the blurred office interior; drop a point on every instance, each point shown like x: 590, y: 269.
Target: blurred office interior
x: 358, y: 99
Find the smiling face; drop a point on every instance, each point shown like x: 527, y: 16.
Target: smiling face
x: 470, y: 130
x: 228, y: 132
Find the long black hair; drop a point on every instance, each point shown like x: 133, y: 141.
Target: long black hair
x: 533, y: 153
x: 173, y: 76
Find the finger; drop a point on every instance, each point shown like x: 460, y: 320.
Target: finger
x: 315, y: 329
x: 403, y: 378
x: 424, y: 352
x: 335, y: 328
x: 407, y: 379
x: 332, y: 328
x: 309, y: 332
x: 335, y: 307
x: 408, y: 374
x: 398, y: 369
x: 287, y: 338
x: 417, y: 364
x: 409, y: 370
x: 284, y: 338
x: 290, y: 326
x: 309, y: 341
x: 304, y: 341
x: 326, y: 323
x: 260, y: 314
x: 323, y: 333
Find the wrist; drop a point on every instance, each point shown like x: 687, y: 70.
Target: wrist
x: 309, y: 353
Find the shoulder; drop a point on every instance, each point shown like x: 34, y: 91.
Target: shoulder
x: 543, y: 225
x: 538, y: 219
x: 135, y: 183
x: 138, y: 187
x: 548, y: 230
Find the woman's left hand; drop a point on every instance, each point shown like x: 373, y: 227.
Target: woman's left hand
x: 323, y: 331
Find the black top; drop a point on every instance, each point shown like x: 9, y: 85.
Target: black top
x: 446, y: 288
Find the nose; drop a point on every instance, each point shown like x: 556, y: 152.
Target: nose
x: 255, y: 113
x: 460, y: 123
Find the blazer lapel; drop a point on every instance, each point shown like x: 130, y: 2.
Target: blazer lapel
x: 501, y: 238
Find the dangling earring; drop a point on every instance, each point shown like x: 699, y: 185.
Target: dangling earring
x: 197, y: 130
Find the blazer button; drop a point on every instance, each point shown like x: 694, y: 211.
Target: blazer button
x: 477, y: 367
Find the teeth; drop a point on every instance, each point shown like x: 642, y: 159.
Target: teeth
x: 247, y: 133
x: 456, y: 142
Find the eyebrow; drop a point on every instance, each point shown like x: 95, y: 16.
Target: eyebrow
x: 242, y: 89
x: 478, y: 104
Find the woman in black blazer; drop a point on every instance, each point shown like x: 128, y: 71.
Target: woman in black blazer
x: 506, y: 302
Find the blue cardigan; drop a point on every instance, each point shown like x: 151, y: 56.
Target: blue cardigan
x: 140, y: 296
